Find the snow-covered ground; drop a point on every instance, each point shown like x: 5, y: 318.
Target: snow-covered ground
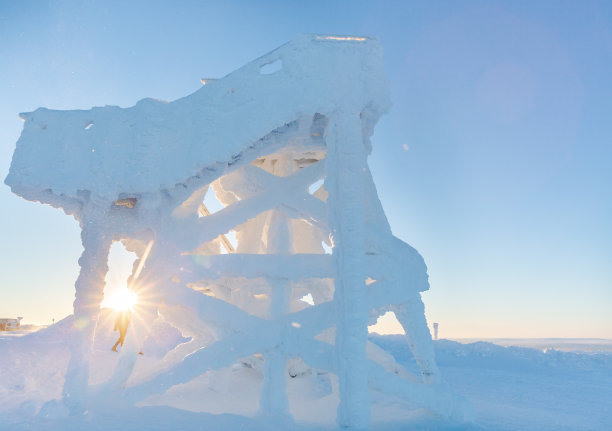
x: 521, y: 388
x: 511, y: 388
x: 564, y: 344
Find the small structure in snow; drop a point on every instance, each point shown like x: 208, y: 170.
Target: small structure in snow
x: 7, y: 324
x: 260, y: 137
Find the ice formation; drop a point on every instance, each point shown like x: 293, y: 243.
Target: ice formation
x: 283, y: 143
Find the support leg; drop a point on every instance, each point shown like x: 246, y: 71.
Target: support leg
x: 89, y: 294
x: 346, y: 164
x: 412, y: 317
x: 274, y: 400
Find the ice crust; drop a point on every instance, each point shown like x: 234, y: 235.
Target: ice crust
x: 158, y: 145
x: 260, y: 138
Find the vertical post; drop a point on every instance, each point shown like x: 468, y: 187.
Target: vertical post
x: 89, y: 294
x: 346, y: 165
x: 274, y: 400
x: 411, y: 316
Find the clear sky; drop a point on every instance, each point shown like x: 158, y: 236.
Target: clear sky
x: 495, y: 161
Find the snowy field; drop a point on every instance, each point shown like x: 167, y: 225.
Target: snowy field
x: 510, y: 388
x: 522, y: 388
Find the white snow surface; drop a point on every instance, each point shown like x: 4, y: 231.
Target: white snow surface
x: 511, y: 388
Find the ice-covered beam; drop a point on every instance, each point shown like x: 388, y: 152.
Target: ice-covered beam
x: 89, y: 289
x: 250, y: 336
x: 279, y: 189
x: 346, y: 158
x: 288, y: 266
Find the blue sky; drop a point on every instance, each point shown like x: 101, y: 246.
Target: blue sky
x: 495, y: 161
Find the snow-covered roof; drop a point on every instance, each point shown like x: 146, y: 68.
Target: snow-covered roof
x: 155, y: 145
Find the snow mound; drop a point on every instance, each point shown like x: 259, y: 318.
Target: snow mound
x: 518, y: 388
x: 512, y: 389
x: 487, y: 355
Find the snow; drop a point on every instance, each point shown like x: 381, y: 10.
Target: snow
x: 158, y: 145
x: 511, y: 388
x: 215, y: 319
x: 258, y: 139
x: 520, y: 388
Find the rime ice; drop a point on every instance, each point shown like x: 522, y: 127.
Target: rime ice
x: 260, y: 137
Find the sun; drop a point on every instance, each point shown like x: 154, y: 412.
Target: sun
x: 123, y: 299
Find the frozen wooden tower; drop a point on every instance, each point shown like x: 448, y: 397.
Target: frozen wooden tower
x: 283, y: 142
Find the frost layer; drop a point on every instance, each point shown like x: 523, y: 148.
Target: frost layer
x: 283, y: 144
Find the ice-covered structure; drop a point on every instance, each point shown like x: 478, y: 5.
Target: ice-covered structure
x: 283, y: 142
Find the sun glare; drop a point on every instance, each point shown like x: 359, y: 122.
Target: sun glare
x: 123, y: 299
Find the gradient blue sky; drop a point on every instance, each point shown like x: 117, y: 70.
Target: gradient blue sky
x: 495, y: 161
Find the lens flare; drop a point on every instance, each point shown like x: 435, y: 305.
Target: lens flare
x: 122, y: 300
